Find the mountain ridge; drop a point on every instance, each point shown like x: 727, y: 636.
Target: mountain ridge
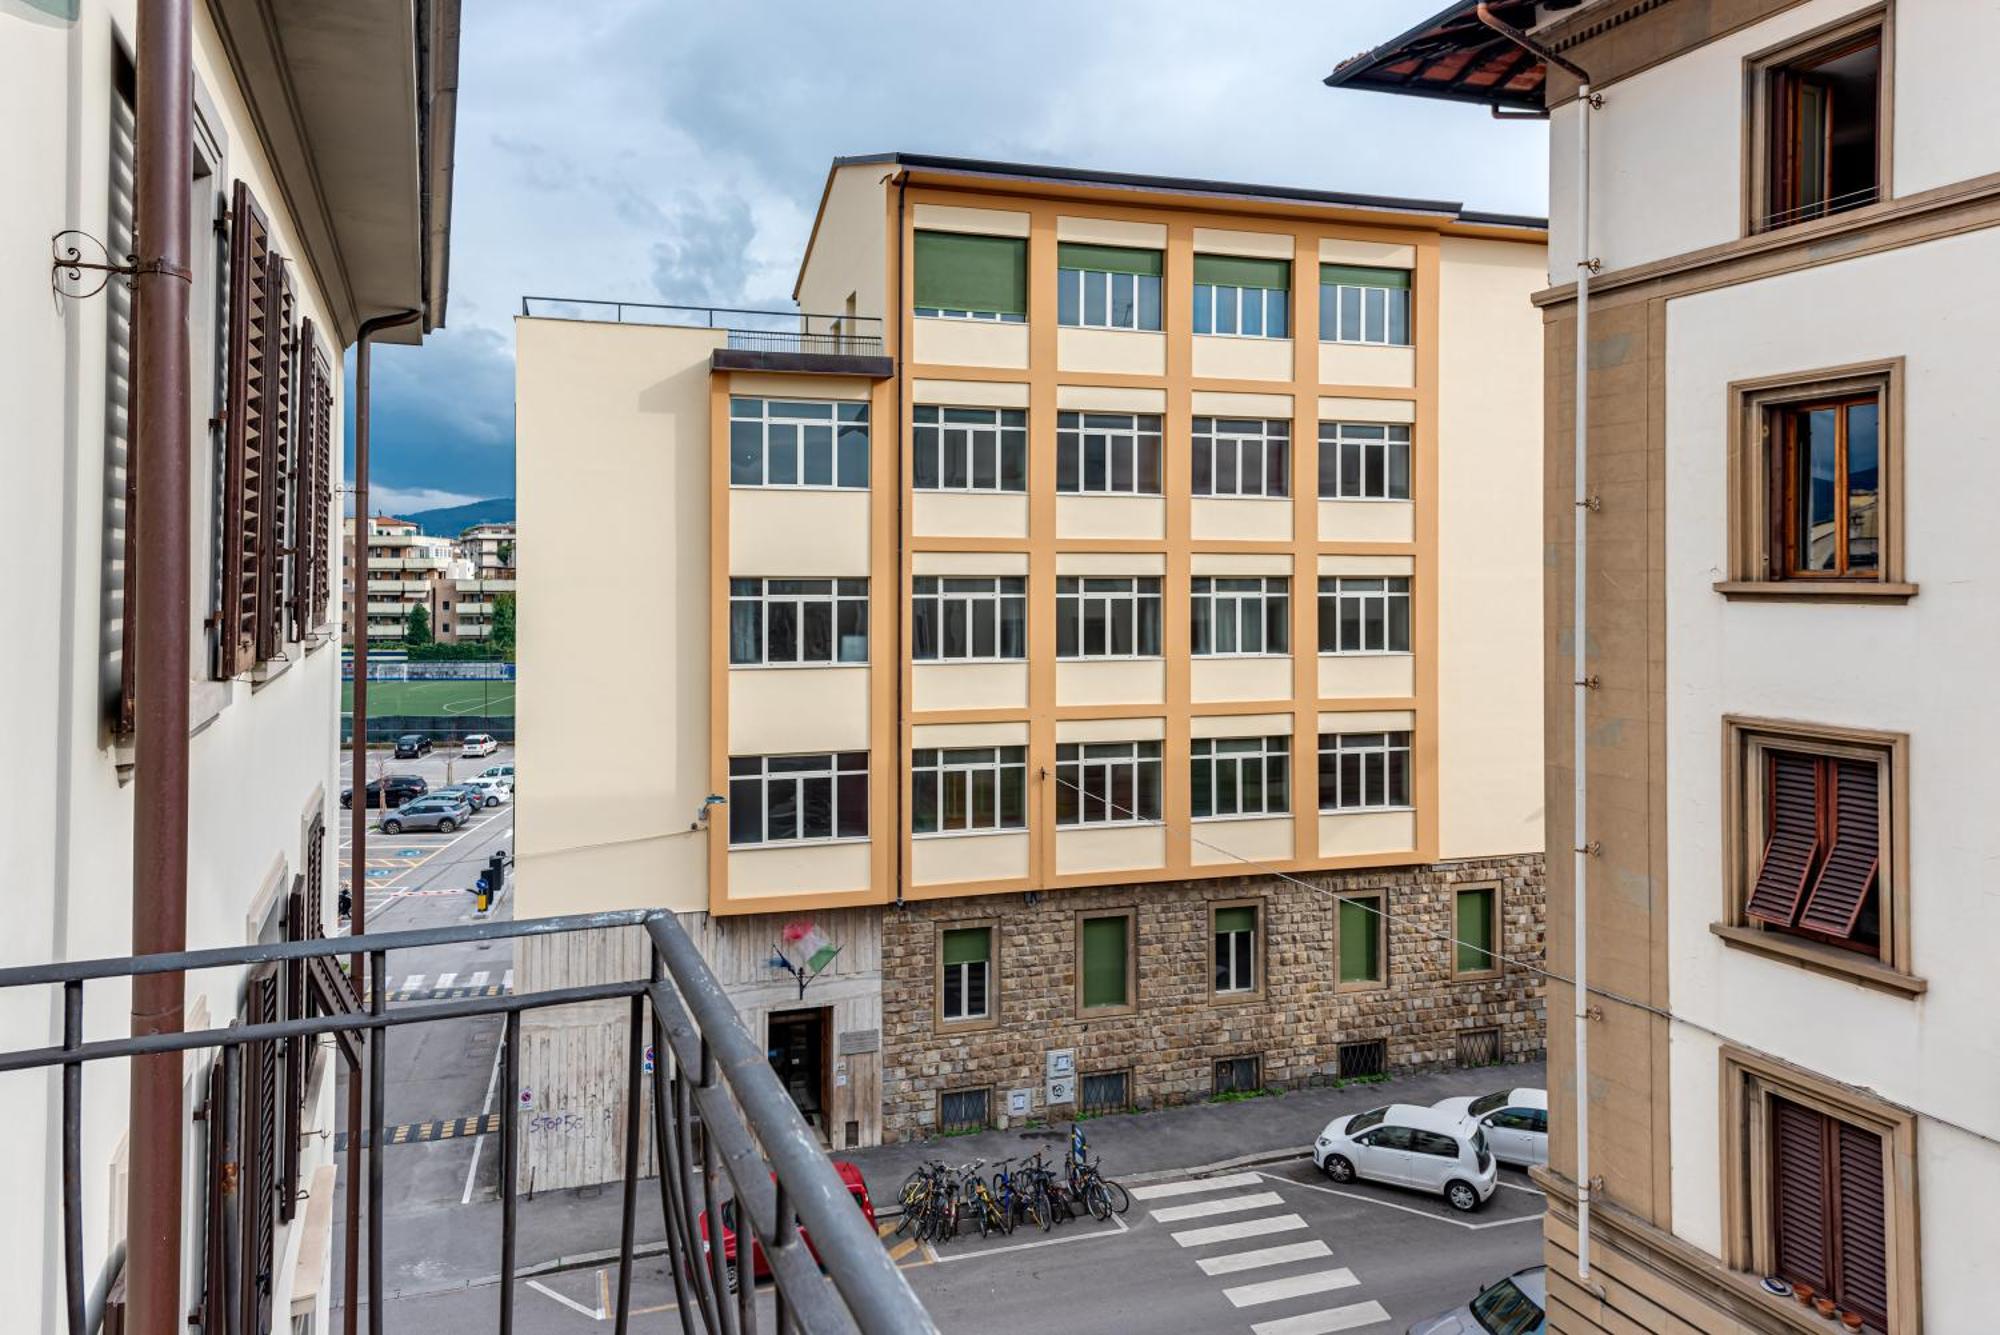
x: 451, y: 520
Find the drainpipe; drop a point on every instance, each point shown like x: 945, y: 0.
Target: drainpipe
x: 358, y: 825
x: 160, y: 407
x: 1583, y: 682
x: 903, y: 595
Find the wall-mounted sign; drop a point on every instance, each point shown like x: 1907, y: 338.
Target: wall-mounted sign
x: 853, y: 1042
x: 1018, y: 1101
x: 1060, y: 1062
x: 1060, y: 1090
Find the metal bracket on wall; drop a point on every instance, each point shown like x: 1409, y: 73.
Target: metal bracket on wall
x: 67, y: 265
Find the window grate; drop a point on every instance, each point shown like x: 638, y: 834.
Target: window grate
x: 1239, y: 1075
x: 964, y: 1110
x: 1106, y: 1092
x: 1479, y: 1047
x: 1364, y: 1059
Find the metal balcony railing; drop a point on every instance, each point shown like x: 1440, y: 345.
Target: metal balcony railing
x: 748, y: 330
x: 709, y: 1074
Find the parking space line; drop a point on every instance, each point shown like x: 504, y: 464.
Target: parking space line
x: 1292, y: 1286
x: 1173, y: 1214
x: 1236, y: 1262
x: 1189, y: 1188
x: 1244, y: 1228
x: 983, y: 1252
x: 1407, y: 1209
x: 1352, y: 1317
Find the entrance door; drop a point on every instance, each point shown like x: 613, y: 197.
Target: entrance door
x: 797, y: 1048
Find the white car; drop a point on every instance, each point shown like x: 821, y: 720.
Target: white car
x: 478, y: 744
x: 1410, y: 1146
x: 492, y: 792
x: 504, y: 773
x: 1516, y: 1123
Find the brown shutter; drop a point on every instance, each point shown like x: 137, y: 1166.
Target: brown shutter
x: 1862, y: 1225
x: 1854, y: 856
x: 246, y: 454
x: 316, y: 879
x: 261, y: 1123
x: 321, y: 408
x: 273, y: 525
x: 304, y: 483
x: 220, y: 1194
x: 298, y: 1052
x: 1794, y: 842
x: 1799, y: 1196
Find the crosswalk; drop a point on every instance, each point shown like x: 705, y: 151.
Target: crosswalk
x: 1262, y: 1286
x: 418, y: 987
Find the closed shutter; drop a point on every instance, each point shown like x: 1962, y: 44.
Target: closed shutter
x: 1794, y: 842
x: 1108, y: 259
x: 262, y: 1121
x: 1799, y: 1197
x: 220, y: 1194
x: 1854, y: 857
x: 320, y: 406
x: 1360, y: 943
x: 298, y: 1052
x: 316, y: 879
x: 1863, y: 1225
x: 273, y: 523
x: 1352, y: 275
x: 306, y: 480
x: 972, y: 273
x: 1104, y: 954
x: 120, y: 665
x: 247, y: 460
x: 1243, y: 271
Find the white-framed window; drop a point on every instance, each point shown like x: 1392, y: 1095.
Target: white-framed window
x: 1235, y: 951
x: 969, y: 618
x: 1107, y: 287
x: 1241, y: 776
x: 794, y: 621
x: 966, y: 957
x: 1112, y: 453
x: 1361, y: 771
x: 969, y: 449
x: 963, y: 788
x: 1241, y: 614
x: 791, y: 443
x: 1242, y: 456
x: 1107, y: 616
x: 792, y: 799
x: 1246, y: 297
x: 1362, y: 461
x: 1360, y: 615
x: 1363, y: 305
x: 1107, y: 783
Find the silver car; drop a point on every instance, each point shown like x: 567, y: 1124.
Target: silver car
x: 1511, y: 1306
x: 444, y: 814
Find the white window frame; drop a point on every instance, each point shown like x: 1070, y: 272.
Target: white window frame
x: 1238, y: 439
x: 844, y: 414
x: 1076, y: 283
x: 1131, y: 435
x: 1077, y: 594
x: 948, y: 313
x: 991, y: 432
x: 1239, y: 986
x: 987, y: 604
x: 1331, y: 306
x: 985, y: 968
x: 1378, y: 444
x: 964, y: 765
x: 836, y: 595
x: 1077, y: 761
x: 832, y: 767
x: 1261, y: 306
x: 1377, y: 753
x: 1376, y: 597
x: 1262, y: 752
x: 1243, y: 602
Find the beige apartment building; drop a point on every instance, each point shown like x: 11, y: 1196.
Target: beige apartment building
x: 454, y: 580
x: 1786, y: 1070
x: 1111, y: 680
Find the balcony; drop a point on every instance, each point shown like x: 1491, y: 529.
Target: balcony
x: 796, y: 342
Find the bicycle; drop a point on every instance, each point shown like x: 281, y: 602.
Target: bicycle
x: 984, y: 1204
x: 1099, y: 1194
x: 1015, y: 1206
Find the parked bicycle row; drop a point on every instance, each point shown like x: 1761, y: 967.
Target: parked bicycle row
x: 941, y: 1200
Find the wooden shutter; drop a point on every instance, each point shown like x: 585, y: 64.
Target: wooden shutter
x: 316, y: 879
x: 245, y: 449
x: 261, y: 1124
x: 306, y: 480
x: 298, y: 1052
x: 220, y: 1195
x: 1854, y: 855
x: 273, y: 498
x: 1800, y: 1201
x: 115, y: 593
x: 1862, y: 1226
x: 1793, y: 845
x: 320, y: 408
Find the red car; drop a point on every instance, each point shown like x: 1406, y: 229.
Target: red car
x: 849, y: 1175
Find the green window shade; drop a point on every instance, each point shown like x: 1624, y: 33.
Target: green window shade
x: 1242, y: 271
x: 1360, y: 943
x: 1108, y: 259
x: 1349, y: 275
x: 968, y: 945
x: 1475, y: 931
x: 1235, y: 920
x: 957, y: 272
x: 1104, y: 962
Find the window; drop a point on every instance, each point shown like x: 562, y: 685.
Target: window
x: 1241, y: 776
x: 1370, y: 1057
x: 966, y: 956
x: 1241, y: 614
x: 791, y: 621
x: 964, y: 1109
x: 1361, y: 461
x: 1481, y: 1047
x: 1107, y: 783
x: 1104, y: 961
x: 1236, y: 964
x: 784, y: 799
x: 1364, y: 615
x: 1239, y: 1075
x: 1361, y: 928
x: 1107, y: 287
x: 1361, y: 305
x: 1234, y: 294
x: 1111, y: 453
x: 969, y: 617
x: 1363, y: 770
x: 780, y: 443
x: 1476, y: 931
x: 1828, y: 1224
x: 1821, y: 121
x: 1107, y: 617
x: 969, y: 449
x: 968, y: 788
x: 1242, y: 456
x: 963, y: 277
x: 1106, y: 1092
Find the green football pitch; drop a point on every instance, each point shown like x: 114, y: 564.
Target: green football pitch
x: 478, y: 699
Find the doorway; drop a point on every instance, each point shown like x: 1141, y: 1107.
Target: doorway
x: 797, y: 1048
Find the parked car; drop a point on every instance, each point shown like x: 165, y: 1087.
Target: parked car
x: 478, y: 744
x: 1409, y: 1146
x: 462, y: 792
x: 492, y: 792
x: 443, y: 814
x: 1511, y: 1306
x: 498, y: 772
x: 412, y: 746
x: 1516, y: 1122
x: 849, y: 1175
x: 402, y: 787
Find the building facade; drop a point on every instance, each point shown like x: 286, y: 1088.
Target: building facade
x: 297, y: 114
x: 1126, y: 650
x: 455, y: 581
x: 1788, y: 403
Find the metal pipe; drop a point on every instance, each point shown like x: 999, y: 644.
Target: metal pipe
x: 162, y: 642
x: 72, y: 1158
x: 510, y: 1154
x: 635, y: 1066
x: 378, y: 970
x: 903, y: 597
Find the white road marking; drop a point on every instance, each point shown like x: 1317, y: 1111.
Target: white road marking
x: 1351, y: 1317
x: 1239, y: 1261
x: 1244, y: 1228
x: 1192, y: 1186
x: 445, y: 980
x: 1292, y: 1286
x: 941, y: 1258
x: 1408, y: 1209
x: 478, y: 1144
x: 477, y: 979
x: 414, y: 983
x: 593, y: 1313
x: 1173, y: 1214
x: 507, y: 981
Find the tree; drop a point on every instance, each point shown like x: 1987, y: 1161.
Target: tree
x: 506, y: 553
x: 502, y: 638
x: 418, y: 629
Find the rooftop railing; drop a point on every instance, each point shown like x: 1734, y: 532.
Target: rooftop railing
x: 748, y: 330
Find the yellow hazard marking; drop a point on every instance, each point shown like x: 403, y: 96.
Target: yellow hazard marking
x: 902, y: 1249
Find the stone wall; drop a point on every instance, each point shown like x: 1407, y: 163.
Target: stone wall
x: 1180, y: 1028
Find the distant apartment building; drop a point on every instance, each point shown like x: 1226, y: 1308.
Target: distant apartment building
x: 1112, y: 680
x: 319, y: 168
x: 1791, y: 623
x: 491, y: 550
x: 454, y: 581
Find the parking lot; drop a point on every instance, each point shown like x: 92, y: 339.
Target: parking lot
x: 415, y: 863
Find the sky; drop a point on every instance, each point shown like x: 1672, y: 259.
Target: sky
x: 674, y: 151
